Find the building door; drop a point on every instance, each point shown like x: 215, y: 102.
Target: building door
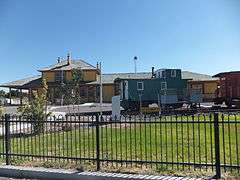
x: 230, y: 91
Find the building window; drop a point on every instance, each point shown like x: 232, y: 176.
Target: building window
x: 163, y: 74
x: 163, y: 85
x: 97, y: 91
x: 93, y: 91
x: 140, y: 86
x: 173, y: 73
x: 60, y: 76
x: 83, y: 91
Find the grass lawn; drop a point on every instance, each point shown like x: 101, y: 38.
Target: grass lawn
x: 158, y: 142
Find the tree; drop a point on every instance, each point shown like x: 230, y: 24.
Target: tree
x: 36, y: 109
x: 2, y: 96
x: 1, y: 111
x: 77, y: 76
x: 2, y: 93
x: 77, y: 80
x: 71, y: 89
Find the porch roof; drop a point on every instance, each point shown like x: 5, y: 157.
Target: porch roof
x: 26, y: 83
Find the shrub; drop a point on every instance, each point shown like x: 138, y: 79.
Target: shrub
x: 1, y: 111
x: 36, y: 109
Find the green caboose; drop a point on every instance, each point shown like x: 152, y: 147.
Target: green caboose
x: 166, y: 87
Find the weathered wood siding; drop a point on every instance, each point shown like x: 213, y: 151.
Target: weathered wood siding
x: 90, y: 75
x: 49, y: 76
x: 108, y: 92
x: 208, y: 88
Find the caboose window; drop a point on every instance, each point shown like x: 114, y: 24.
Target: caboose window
x: 173, y: 73
x: 140, y: 86
x: 163, y: 74
x: 163, y: 85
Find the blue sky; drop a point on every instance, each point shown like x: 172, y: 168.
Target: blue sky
x: 201, y: 36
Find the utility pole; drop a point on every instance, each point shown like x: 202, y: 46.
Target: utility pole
x: 101, y: 93
x: 62, y: 74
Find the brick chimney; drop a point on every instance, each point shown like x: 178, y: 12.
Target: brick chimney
x: 58, y: 60
x: 153, y: 74
x: 68, y: 59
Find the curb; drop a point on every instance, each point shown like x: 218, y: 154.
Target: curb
x: 61, y: 174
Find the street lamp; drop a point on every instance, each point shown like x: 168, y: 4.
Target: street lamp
x: 135, y: 64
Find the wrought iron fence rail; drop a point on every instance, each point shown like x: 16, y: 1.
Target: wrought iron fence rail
x: 50, y: 157
x: 200, y: 141
x: 129, y: 122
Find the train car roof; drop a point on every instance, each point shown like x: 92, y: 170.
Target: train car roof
x: 225, y: 73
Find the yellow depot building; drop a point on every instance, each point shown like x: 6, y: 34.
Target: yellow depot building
x: 205, y: 84
x: 61, y: 73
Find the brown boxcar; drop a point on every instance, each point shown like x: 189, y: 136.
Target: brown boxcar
x: 229, y: 88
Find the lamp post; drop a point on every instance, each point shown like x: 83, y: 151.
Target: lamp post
x: 62, y: 85
x: 135, y: 64
x: 101, y: 93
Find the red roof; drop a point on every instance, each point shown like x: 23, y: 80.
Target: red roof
x: 225, y: 73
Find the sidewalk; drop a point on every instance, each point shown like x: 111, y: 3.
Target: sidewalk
x: 60, y: 174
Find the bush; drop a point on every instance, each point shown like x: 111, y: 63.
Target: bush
x: 36, y: 109
x: 1, y: 111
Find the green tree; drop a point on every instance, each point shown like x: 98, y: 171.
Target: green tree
x: 71, y: 89
x: 77, y: 76
x: 2, y: 93
x: 77, y: 80
x: 1, y: 111
x: 36, y: 109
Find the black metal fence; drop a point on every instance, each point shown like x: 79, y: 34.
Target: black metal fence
x: 201, y: 142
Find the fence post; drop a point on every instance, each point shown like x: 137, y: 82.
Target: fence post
x: 97, y: 142
x: 217, y: 147
x: 7, y: 138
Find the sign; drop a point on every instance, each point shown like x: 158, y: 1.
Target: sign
x: 116, y: 111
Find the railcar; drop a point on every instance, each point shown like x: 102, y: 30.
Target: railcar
x: 228, y: 91
x: 166, y: 88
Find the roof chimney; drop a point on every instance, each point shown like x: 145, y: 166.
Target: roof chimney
x: 153, y: 74
x: 68, y: 59
x: 58, y: 60
x: 97, y: 65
